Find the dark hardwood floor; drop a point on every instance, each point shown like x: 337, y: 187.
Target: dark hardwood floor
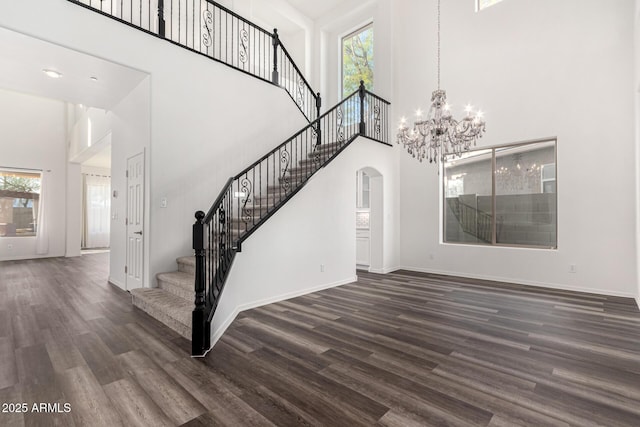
x: 400, y: 349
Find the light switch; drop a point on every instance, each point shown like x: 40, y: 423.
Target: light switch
x: 163, y: 202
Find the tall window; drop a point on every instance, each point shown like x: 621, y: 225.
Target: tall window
x: 357, y: 60
x: 96, y: 213
x: 19, y: 198
x: 502, y: 196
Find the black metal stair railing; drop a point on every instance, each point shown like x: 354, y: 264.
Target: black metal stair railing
x: 472, y: 220
x: 210, y: 29
x: 255, y: 194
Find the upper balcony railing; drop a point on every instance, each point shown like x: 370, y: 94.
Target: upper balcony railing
x: 210, y: 29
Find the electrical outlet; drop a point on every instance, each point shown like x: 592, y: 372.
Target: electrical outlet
x: 431, y: 257
x: 10, y: 246
x: 321, y: 268
x: 573, y: 268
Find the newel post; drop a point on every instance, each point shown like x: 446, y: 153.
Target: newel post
x: 200, y: 335
x: 361, y: 92
x: 161, y: 23
x: 275, y: 42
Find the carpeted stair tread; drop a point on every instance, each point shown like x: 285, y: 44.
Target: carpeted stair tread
x: 187, y: 264
x: 170, y: 309
x: 179, y: 283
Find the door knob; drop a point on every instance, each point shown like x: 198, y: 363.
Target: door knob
x: 138, y: 232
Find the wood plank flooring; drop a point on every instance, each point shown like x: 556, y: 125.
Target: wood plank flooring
x: 402, y: 349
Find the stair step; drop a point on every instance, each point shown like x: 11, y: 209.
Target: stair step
x: 294, y: 178
x: 279, y: 189
x: 325, y: 150
x: 310, y: 161
x: 260, y: 207
x: 303, y: 170
x: 173, y: 311
x: 330, y: 146
x: 179, y: 283
x: 267, y: 206
x: 187, y: 264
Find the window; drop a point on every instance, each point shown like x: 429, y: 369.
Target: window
x: 502, y: 196
x: 357, y: 60
x: 483, y: 4
x: 19, y: 197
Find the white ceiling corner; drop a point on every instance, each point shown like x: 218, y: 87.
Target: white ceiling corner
x: 315, y: 9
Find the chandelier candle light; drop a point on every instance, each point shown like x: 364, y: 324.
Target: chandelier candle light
x: 440, y: 134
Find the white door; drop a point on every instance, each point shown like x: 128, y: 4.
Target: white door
x: 135, y: 223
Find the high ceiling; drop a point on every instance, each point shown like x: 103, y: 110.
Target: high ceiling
x: 314, y: 9
x: 22, y: 59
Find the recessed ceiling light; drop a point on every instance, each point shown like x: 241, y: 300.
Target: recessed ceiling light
x: 93, y: 79
x: 52, y: 73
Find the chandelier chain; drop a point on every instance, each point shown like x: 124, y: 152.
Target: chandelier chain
x: 438, y: 44
x: 439, y: 134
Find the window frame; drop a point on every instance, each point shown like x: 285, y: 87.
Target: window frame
x: 357, y: 30
x: 25, y: 171
x: 494, y: 243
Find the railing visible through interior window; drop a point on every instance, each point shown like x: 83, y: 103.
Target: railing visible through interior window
x: 210, y: 29
x: 503, y: 195
x: 19, y: 201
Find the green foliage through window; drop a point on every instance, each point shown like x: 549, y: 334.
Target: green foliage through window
x: 357, y: 60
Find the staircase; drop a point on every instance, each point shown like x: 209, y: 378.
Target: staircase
x: 250, y: 198
x: 172, y: 301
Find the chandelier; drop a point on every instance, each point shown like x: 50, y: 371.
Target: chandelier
x: 439, y: 133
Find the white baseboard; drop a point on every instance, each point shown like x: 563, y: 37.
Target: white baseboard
x: 29, y: 257
x: 385, y: 270
x: 219, y: 331
x: 638, y: 302
x: 117, y: 283
x: 521, y: 282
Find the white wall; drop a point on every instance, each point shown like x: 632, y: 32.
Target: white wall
x: 329, y: 30
x: 538, y: 68
x: 294, y: 29
x: 74, y: 210
x: 317, y: 226
x: 207, y: 122
x: 130, y: 135
x: 89, y: 134
x: 33, y: 136
x: 636, y: 92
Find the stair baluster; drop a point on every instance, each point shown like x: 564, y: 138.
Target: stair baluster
x: 208, y: 28
x: 265, y: 186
